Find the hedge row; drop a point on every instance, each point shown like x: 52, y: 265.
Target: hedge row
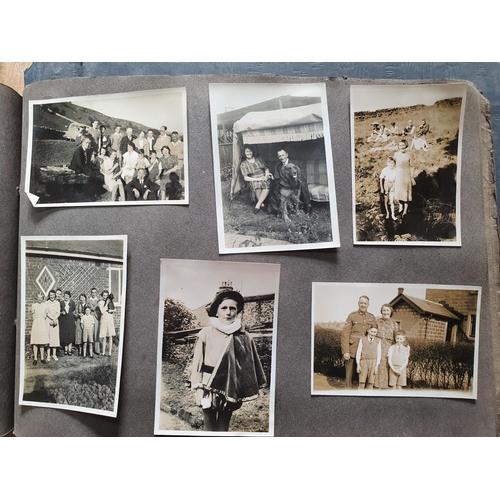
x: 432, y: 365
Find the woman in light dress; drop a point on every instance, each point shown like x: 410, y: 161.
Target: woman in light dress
x: 404, y: 177
x: 107, y: 323
x: 39, y: 331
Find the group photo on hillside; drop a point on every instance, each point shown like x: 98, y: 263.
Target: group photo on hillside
x: 395, y: 340
x: 406, y: 151
x: 118, y: 148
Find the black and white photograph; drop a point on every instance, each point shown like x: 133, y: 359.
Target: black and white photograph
x: 406, y: 163
x: 216, y: 348
x: 128, y: 148
x: 72, y: 322
x: 273, y: 167
x: 396, y: 340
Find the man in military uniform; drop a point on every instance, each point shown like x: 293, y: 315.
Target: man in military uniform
x: 356, y: 325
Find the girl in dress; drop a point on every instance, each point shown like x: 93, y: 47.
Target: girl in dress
x: 52, y: 321
x: 387, y: 329
x: 257, y: 175
x: 107, y: 323
x: 39, y: 331
x: 226, y: 369
x: 404, y: 177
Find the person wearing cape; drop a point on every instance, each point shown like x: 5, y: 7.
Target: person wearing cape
x: 226, y: 369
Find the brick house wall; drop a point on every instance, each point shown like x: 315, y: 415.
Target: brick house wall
x: 463, y: 302
x: 76, y: 275
x: 416, y: 326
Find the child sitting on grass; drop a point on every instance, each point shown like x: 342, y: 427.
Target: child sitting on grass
x: 387, y: 181
x: 398, y: 359
x: 368, y: 357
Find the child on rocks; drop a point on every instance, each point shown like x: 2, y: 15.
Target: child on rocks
x: 398, y: 359
x: 368, y: 357
x: 387, y: 181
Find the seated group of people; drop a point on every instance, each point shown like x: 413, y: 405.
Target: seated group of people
x: 131, y: 167
x: 381, y: 133
x: 261, y: 180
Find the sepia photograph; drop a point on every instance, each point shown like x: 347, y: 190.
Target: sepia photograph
x: 72, y: 322
x: 406, y: 163
x: 216, y: 348
x: 273, y: 167
x: 127, y: 148
x: 396, y: 340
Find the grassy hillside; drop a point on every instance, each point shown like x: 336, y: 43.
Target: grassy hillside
x: 432, y: 213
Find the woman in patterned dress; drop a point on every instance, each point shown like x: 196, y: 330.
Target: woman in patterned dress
x: 257, y: 175
x: 386, y: 332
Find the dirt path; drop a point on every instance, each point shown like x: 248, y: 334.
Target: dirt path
x: 173, y: 423
x: 324, y: 383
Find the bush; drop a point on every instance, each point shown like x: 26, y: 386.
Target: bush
x: 328, y: 352
x: 432, y: 365
x: 264, y: 348
x: 440, y: 365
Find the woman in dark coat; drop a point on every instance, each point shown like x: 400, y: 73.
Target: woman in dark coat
x: 67, y: 323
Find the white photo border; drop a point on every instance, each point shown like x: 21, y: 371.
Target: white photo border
x: 272, y: 390
x: 22, y: 333
x: 363, y: 289
x: 34, y: 199
x: 335, y: 242
x: 363, y: 88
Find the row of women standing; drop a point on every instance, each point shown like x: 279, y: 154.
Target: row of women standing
x: 59, y: 324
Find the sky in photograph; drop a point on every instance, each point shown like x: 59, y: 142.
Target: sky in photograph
x: 374, y: 97
x: 195, y: 282
x: 226, y: 97
x: 334, y: 301
x: 151, y: 108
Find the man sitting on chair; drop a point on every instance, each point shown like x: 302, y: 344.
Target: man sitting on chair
x: 305, y: 197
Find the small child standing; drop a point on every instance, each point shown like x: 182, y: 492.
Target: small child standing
x: 387, y: 182
x: 368, y: 357
x: 398, y: 359
x: 88, y: 322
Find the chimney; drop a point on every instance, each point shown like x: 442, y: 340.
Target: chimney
x: 400, y: 291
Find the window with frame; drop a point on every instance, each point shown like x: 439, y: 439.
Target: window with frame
x: 115, y: 278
